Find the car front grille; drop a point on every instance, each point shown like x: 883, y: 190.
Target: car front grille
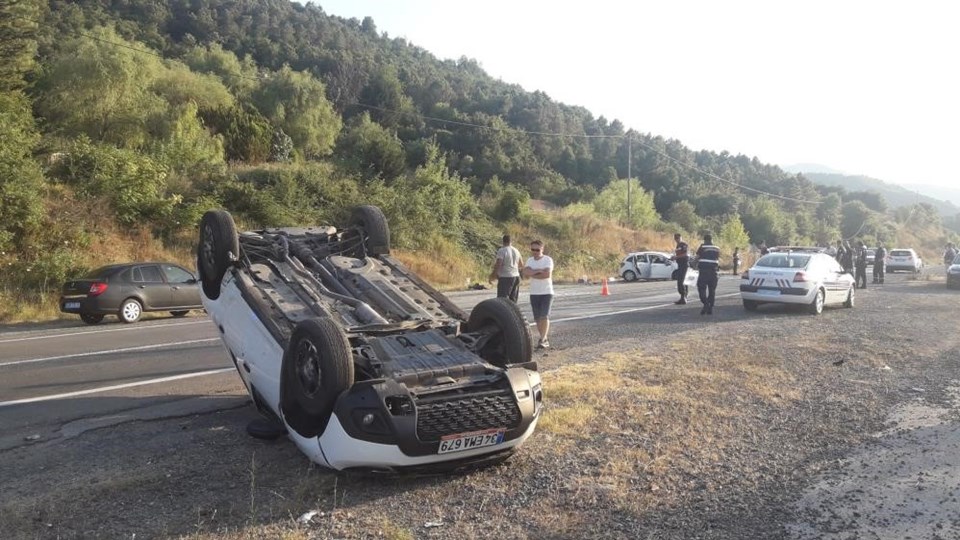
x: 436, y: 418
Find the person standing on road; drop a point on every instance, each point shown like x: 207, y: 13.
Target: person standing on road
x: 861, y: 266
x: 539, y: 269
x: 879, y: 263
x: 763, y: 248
x: 682, y: 258
x: 506, y: 270
x: 708, y: 263
x: 736, y: 260
x: 839, y: 252
x: 949, y: 255
x: 846, y: 261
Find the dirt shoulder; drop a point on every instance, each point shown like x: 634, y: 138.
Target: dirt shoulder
x: 659, y: 425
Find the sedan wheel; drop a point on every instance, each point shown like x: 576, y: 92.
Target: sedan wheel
x: 816, y: 307
x: 630, y: 275
x: 851, y: 298
x: 130, y: 311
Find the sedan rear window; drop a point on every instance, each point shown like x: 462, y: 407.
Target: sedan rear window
x: 101, y: 272
x: 783, y: 260
x: 900, y: 253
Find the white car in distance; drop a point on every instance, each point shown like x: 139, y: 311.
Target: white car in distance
x: 810, y: 279
x: 904, y: 259
x: 652, y: 266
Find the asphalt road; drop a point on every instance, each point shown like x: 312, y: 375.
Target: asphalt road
x: 63, y: 379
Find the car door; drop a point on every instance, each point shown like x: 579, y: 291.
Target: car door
x: 836, y: 282
x: 643, y: 266
x: 660, y: 267
x: 148, y: 284
x: 184, y: 291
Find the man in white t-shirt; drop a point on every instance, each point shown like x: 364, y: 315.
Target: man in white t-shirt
x: 506, y: 270
x: 539, y: 269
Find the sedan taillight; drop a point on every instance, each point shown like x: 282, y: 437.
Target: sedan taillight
x: 799, y: 277
x: 97, y: 289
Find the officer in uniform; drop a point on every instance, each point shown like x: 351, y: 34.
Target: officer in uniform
x: 879, y: 262
x: 708, y: 263
x: 736, y: 260
x: 861, y: 262
x: 846, y: 260
x: 683, y: 262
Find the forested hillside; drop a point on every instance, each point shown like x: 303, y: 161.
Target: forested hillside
x: 124, y: 120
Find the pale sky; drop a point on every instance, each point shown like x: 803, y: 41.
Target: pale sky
x: 863, y: 87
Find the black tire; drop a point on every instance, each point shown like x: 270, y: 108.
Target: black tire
x: 219, y: 246
x: 510, y: 342
x: 750, y: 305
x: 374, y: 230
x: 816, y: 307
x: 265, y: 430
x: 317, y: 367
x: 630, y: 275
x: 182, y: 313
x: 91, y: 318
x: 851, y: 298
x: 130, y: 310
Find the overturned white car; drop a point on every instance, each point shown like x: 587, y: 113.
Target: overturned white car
x: 360, y: 361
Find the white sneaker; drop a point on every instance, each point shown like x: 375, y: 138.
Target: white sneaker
x: 543, y: 344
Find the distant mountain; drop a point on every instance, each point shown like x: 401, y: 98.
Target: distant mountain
x: 895, y: 195
x: 937, y: 192
x: 811, y: 168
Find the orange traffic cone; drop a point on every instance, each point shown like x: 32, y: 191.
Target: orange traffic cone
x: 604, y: 291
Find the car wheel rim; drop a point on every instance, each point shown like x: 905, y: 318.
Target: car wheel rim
x: 308, y: 367
x: 207, y: 250
x: 131, y: 311
x: 819, y: 301
x: 853, y: 297
x: 629, y: 276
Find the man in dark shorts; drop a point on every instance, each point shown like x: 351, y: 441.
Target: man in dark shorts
x: 506, y: 270
x: 539, y: 269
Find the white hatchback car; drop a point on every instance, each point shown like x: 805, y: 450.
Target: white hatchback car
x: 904, y: 259
x: 810, y: 279
x: 652, y: 265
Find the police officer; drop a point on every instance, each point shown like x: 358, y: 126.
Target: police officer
x: 736, y: 260
x: 708, y: 263
x: 846, y: 260
x: 879, y: 263
x: 861, y: 266
x: 683, y: 262
x: 949, y: 255
x: 839, y: 252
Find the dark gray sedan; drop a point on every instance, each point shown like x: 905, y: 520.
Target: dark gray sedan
x: 129, y: 290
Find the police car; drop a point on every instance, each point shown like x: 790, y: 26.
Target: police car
x: 953, y: 274
x: 355, y: 358
x: 805, y: 278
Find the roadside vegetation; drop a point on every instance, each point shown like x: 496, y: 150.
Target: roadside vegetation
x: 124, y: 122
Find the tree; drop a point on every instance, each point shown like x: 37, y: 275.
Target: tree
x: 612, y: 203
x: 685, y: 215
x: 368, y: 147
x: 240, y: 76
x: 21, y: 206
x: 857, y: 220
x: 732, y: 235
x: 188, y: 146
x: 247, y: 135
x: 101, y: 90
x: 296, y: 102
x: 18, y: 43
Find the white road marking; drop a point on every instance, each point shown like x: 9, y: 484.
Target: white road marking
x: 621, y: 312
x: 110, y: 351
x: 114, y: 387
x: 88, y: 332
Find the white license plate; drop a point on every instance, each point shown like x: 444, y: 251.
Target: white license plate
x: 71, y: 305
x: 768, y: 292
x: 469, y: 441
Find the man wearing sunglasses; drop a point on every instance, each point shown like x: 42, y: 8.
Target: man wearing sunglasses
x: 539, y: 268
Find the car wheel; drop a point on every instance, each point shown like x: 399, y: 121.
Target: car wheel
x: 130, y: 311
x: 91, y: 318
x: 508, y: 339
x: 630, y: 275
x: 372, y: 225
x: 750, y: 305
x: 317, y: 367
x: 816, y: 307
x: 182, y: 313
x: 851, y: 298
x: 219, y: 246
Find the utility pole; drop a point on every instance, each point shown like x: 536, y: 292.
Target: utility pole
x: 629, y: 162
